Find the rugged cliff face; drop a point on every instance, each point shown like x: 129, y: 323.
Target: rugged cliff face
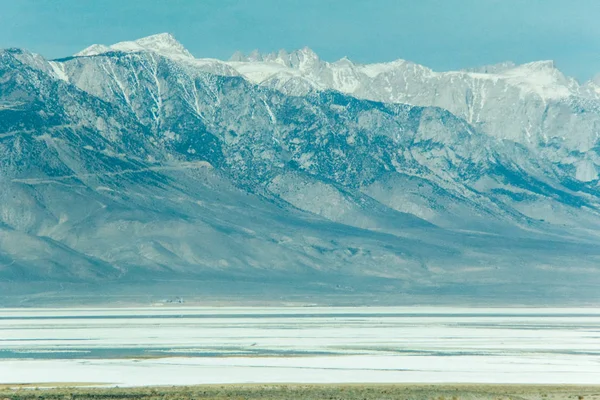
x: 139, y: 163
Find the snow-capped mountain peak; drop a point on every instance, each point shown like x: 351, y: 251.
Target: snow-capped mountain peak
x: 238, y: 56
x: 542, y: 65
x: 344, y: 61
x: 93, y: 50
x: 483, y: 96
x: 164, y: 44
x: 302, y: 59
x: 543, y: 78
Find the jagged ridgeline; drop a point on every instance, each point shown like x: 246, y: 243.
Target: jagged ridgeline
x: 138, y: 169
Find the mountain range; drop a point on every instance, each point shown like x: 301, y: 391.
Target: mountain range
x: 136, y: 170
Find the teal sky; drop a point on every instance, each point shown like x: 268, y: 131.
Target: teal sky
x: 442, y: 34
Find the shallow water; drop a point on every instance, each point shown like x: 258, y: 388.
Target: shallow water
x: 178, y: 345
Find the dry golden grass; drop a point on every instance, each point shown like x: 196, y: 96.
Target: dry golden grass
x: 65, y: 391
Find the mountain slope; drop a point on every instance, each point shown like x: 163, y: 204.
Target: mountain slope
x: 131, y: 167
x: 185, y: 92
x: 533, y: 104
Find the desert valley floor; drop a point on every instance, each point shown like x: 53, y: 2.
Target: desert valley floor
x: 188, y: 346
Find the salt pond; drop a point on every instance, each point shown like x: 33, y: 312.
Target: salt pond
x: 183, y: 346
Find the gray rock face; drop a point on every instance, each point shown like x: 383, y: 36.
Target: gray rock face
x: 138, y: 163
x: 533, y: 104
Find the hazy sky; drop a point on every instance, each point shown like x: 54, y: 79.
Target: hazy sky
x: 442, y: 34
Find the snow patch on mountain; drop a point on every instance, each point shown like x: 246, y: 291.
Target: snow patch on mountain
x: 541, y: 78
x: 93, y: 50
x: 164, y: 44
x: 533, y: 104
x: 59, y: 71
x: 259, y: 72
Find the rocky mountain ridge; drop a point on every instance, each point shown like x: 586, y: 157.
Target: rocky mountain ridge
x: 143, y: 164
x: 533, y: 104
